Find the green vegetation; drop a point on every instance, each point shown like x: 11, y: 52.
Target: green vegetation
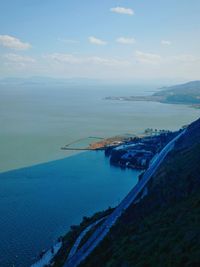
x: 69, y: 239
x: 190, y: 88
x: 182, y: 99
x: 163, y: 229
x: 167, y: 238
x: 188, y: 94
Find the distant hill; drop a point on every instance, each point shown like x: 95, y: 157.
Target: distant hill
x: 188, y: 93
x: 40, y: 80
x: 192, y: 88
x: 162, y: 230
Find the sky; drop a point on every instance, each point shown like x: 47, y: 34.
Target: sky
x: 107, y: 39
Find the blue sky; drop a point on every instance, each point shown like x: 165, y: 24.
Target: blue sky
x: 107, y: 39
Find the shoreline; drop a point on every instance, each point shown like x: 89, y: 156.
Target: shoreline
x: 95, y: 146
x: 148, y: 133
x: 48, y: 256
x: 51, y: 184
x: 74, y: 153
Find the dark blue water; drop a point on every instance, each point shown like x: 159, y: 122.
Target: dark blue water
x: 38, y: 204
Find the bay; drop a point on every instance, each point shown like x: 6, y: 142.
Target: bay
x: 36, y: 121
x: 39, y: 203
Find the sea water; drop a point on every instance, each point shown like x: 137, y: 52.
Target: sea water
x: 36, y: 121
x: 39, y: 203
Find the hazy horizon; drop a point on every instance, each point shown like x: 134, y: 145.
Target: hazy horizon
x: 157, y: 83
x: 89, y: 112
x: 107, y: 40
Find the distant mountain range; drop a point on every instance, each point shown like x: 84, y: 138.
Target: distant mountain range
x: 40, y: 80
x: 188, y: 93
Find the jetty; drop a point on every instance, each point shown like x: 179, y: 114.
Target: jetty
x: 71, y: 146
x: 81, y: 149
x: 99, y: 143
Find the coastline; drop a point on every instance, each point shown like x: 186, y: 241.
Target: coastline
x: 43, y: 195
x: 153, y: 99
x: 113, y: 142
x: 47, y: 257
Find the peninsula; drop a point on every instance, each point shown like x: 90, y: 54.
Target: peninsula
x: 186, y: 94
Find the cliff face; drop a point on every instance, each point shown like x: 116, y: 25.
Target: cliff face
x: 163, y: 229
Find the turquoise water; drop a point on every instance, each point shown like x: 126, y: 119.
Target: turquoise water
x: 39, y: 203
x: 36, y: 121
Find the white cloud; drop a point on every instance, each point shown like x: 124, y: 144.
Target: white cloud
x: 112, y: 62
x: 68, y: 41
x: 13, y: 43
x: 96, y: 41
x: 95, y: 60
x: 147, y: 58
x: 125, y: 40
x: 64, y: 58
x: 18, y: 58
x: 186, y: 58
x: 122, y: 10
x: 17, y: 62
x: 166, y: 42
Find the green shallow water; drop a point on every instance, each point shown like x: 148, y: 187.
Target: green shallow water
x: 36, y: 121
x: 39, y: 203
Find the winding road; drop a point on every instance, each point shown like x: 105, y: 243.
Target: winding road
x: 82, y: 234
x: 132, y: 196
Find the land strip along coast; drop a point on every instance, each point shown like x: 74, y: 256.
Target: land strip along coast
x: 127, y: 151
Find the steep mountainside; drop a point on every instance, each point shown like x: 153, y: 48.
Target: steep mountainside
x: 163, y: 229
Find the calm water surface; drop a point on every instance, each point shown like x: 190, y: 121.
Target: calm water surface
x: 38, y: 204
x: 36, y: 121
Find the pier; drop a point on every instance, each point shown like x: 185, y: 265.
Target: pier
x: 89, y: 148
x: 101, y: 143
x: 82, y: 149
